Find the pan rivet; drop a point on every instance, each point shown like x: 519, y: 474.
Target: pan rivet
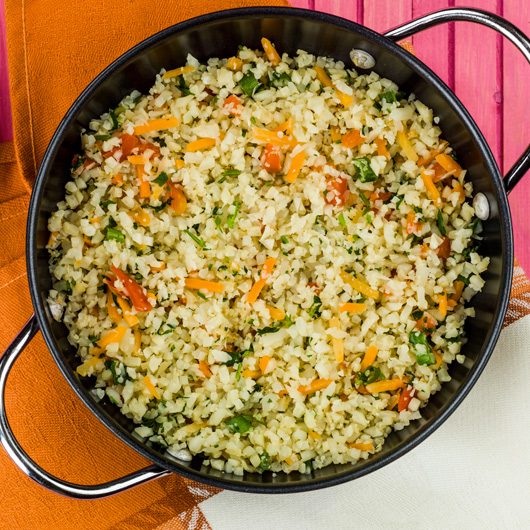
x: 481, y: 206
x: 362, y: 59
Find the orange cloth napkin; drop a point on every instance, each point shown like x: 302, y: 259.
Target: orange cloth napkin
x: 54, y: 50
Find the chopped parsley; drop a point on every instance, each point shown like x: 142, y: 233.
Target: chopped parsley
x: 199, y: 240
x: 424, y: 353
x: 161, y: 179
x: 363, y: 170
x: 239, y: 424
x: 440, y: 224
x: 316, y: 308
x: 249, y: 84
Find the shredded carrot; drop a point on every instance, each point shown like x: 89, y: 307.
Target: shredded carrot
x: 84, y: 369
x: 459, y: 287
x: 112, y: 336
x: 290, y: 460
x: 314, y: 386
x: 251, y: 374
x: 157, y: 125
x: 362, y: 446
x: 199, y: 145
x: 272, y: 55
x: 442, y: 301
x: 112, y: 308
x: 158, y: 268
x: 273, y: 137
x: 205, y: 369
x: 137, y: 340
x: 137, y: 160
x: 198, y: 283
x: 126, y: 309
x: 413, y: 226
x: 394, y: 401
x: 141, y: 216
x: 438, y: 358
x: 53, y: 238
x: 345, y: 99
x: 193, y: 427
x: 87, y: 241
x: 359, y: 286
x: 145, y: 187
x: 151, y: 387
x: 276, y: 314
x: 352, y: 307
x: 381, y: 148
x: 338, y: 347
x: 285, y: 127
x: 449, y: 163
x: 335, y: 134
x: 385, y: 386
x: 296, y: 164
x: 178, y: 71
x: 179, y: 163
x: 369, y: 357
x: 405, y: 144
x: 263, y: 363
x: 423, y: 161
x: 235, y: 64
x: 233, y: 106
x: 179, y: 203
x: 352, y: 139
x: 266, y: 271
x: 95, y: 220
x: 314, y: 435
x: 432, y: 190
x: 117, y: 179
x: 458, y: 187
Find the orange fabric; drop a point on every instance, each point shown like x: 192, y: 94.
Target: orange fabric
x: 54, y: 50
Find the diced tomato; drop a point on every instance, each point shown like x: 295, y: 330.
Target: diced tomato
x: 271, y: 159
x: 145, y: 146
x: 444, y: 250
x: 128, y: 143
x: 337, y: 191
x: 315, y: 287
x: 406, y: 396
x: 135, y: 292
x: 379, y: 195
x: 426, y: 322
x: 233, y: 105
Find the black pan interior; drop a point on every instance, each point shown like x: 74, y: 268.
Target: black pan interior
x: 218, y: 35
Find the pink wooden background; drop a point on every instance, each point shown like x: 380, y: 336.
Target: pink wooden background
x: 485, y: 71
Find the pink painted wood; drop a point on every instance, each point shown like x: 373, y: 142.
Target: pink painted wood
x: 487, y: 74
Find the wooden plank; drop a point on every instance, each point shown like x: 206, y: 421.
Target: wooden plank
x: 516, y: 126
x: 6, y: 126
x: 350, y: 9
x: 478, y: 74
x: 383, y: 15
x: 435, y: 47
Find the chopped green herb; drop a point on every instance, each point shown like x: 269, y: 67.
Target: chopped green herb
x: 119, y: 374
x: 112, y: 234
x: 419, y: 213
x: 389, y: 97
x: 424, y: 353
x: 161, y: 179
x: 230, y: 220
x: 369, y: 376
x: 285, y: 323
x: 105, y: 204
x: 183, y: 87
x: 204, y: 297
x: 400, y: 199
x: 265, y: 461
x: 253, y: 120
x: 440, y: 224
x: 364, y: 199
x: 461, y: 278
x: 243, y: 133
x: 279, y: 80
x: 315, y: 309
x: 113, y: 119
x: 249, y: 84
x: 239, y: 424
x: 285, y: 240
x: 416, y: 315
x: 197, y: 240
x: 221, y: 180
x: 231, y: 173
x: 476, y: 226
x: 103, y: 137
x: 342, y: 221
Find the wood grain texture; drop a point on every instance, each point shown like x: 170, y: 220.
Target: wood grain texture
x: 382, y: 15
x: 6, y: 126
x: 478, y: 74
x: 350, y: 9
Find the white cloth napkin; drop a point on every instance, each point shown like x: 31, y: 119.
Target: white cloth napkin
x: 472, y: 473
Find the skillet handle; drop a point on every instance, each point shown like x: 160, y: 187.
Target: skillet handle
x: 30, y: 468
x: 478, y: 16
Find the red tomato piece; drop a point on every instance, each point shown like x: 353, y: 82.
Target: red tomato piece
x: 134, y: 290
x: 271, y: 159
x: 406, y: 396
x: 337, y: 191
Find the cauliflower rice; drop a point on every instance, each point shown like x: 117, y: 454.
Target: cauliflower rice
x: 295, y: 380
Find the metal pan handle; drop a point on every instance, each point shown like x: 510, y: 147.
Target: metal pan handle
x: 26, y: 464
x: 492, y: 21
